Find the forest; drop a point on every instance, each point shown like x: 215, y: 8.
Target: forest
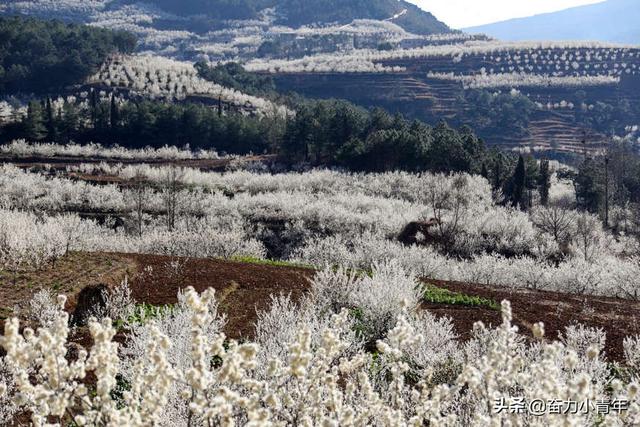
x: 39, y: 56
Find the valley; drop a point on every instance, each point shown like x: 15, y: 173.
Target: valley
x: 301, y: 213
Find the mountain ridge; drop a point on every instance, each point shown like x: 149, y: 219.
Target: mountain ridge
x: 609, y: 21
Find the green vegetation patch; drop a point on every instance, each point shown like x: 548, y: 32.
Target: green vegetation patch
x: 273, y: 263
x: 438, y: 295
x: 145, y: 313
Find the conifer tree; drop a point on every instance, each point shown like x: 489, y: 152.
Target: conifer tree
x: 497, y: 173
x: 519, y: 178
x: 50, y: 121
x: 34, y: 127
x: 115, y: 113
x: 544, y: 182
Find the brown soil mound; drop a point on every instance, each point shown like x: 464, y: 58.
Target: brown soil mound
x: 242, y: 289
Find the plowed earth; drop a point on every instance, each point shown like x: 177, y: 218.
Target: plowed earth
x: 243, y: 289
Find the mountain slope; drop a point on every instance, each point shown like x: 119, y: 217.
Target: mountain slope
x: 304, y: 12
x: 408, y: 16
x: 610, y: 21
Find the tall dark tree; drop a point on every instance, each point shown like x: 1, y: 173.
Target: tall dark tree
x: 519, y: 182
x: 115, y: 113
x: 93, y: 105
x: 589, y: 189
x: 50, y: 121
x: 544, y: 182
x: 34, y: 124
x: 70, y: 122
x: 484, y: 172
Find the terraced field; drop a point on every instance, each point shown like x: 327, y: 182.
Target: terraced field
x: 429, y: 89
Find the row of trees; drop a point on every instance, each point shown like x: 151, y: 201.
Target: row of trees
x: 322, y: 133
x: 333, y: 133
x: 145, y: 123
x: 605, y: 184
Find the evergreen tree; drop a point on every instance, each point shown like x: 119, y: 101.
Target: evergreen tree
x: 519, y: 181
x: 50, y: 121
x: 588, y: 186
x: 70, y: 121
x: 115, y: 113
x: 497, y: 173
x: 34, y: 127
x: 484, y: 172
x: 544, y: 182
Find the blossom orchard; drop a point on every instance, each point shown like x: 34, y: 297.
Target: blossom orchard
x: 319, y: 373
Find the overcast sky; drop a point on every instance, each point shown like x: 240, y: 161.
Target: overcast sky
x: 468, y: 13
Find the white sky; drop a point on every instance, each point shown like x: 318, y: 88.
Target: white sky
x: 468, y: 13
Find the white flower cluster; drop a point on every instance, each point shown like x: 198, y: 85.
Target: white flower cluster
x: 162, y: 77
x: 338, y: 63
x: 61, y: 9
x: 10, y: 113
x: 512, y: 80
x: 326, y: 217
x: 28, y: 242
x: 21, y: 148
x: 554, y: 58
x: 358, y: 26
x: 181, y: 370
x: 632, y: 135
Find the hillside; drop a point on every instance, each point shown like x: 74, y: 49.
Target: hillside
x: 402, y: 13
x: 371, y: 53
x: 611, y: 21
x: 541, y: 95
x: 300, y: 12
x: 222, y: 30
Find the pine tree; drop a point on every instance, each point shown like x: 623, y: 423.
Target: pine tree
x: 519, y: 178
x: 484, y: 172
x: 50, y: 121
x: 497, y: 174
x: 34, y: 127
x: 588, y: 184
x: 94, y: 108
x: 70, y: 121
x: 115, y: 114
x: 544, y: 182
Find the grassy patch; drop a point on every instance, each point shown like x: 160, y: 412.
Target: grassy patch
x: 270, y: 262
x: 438, y: 295
x: 145, y: 313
